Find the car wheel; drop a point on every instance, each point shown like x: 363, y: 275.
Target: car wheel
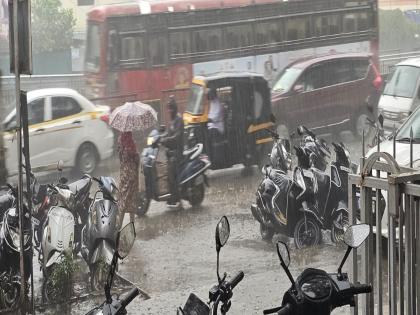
x: 360, y: 124
x: 87, y: 158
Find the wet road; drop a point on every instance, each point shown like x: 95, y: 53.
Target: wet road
x: 174, y: 253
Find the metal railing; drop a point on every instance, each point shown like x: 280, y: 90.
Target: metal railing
x: 394, y: 268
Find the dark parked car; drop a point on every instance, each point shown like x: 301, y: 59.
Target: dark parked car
x: 325, y: 93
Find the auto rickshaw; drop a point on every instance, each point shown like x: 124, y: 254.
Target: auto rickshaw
x: 246, y: 106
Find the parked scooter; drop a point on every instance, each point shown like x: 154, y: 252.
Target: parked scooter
x: 222, y: 292
x: 191, y: 175
x: 317, y: 292
x: 115, y: 305
x: 99, y: 234
x: 58, y: 236
x: 10, y: 276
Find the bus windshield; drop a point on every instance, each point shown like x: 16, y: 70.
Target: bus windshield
x: 195, y: 102
x: 93, y: 48
x: 403, y: 82
x: 286, y: 80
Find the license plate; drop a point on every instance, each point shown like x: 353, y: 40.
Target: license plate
x: 35, y: 221
x: 199, y: 180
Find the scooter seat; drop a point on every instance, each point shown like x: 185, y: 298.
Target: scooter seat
x: 79, y: 185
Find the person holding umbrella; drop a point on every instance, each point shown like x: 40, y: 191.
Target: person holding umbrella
x: 126, y: 119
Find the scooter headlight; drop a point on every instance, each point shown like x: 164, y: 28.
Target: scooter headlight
x: 114, y: 193
x: 149, y: 141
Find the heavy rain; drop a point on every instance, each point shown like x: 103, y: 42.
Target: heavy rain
x: 209, y: 157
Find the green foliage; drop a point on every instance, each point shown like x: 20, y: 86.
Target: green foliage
x: 397, y: 32
x: 52, y: 26
x: 60, y: 281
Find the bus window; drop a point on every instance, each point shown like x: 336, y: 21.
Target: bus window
x: 327, y: 25
x: 362, y: 21
x: 132, y: 48
x: 113, y: 45
x: 200, y: 41
x: 180, y: 43
x: 266, y: 33
x: 214, y: 39
x: 349, y: 23
x: 238, y: 36
x: 93, y: 48
x: 157, y: 49
x: 297, y: 28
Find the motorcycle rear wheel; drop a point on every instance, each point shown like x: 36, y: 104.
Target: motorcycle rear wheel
x: 307, y: 233
x: 266, y: 232
x: 143, y: 203
x: 338, y: 227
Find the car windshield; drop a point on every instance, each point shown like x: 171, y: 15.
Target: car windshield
x: 195, y: 103
x: 286, y: 79
x: 412, y: 122
x: 403, y: 82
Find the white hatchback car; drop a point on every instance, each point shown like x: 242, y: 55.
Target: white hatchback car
x: 63, y: 125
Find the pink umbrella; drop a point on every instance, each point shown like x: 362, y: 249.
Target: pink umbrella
x: 133, y: 116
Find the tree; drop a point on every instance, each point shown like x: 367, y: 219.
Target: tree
x: 52, y: 26
x: 397, y: 32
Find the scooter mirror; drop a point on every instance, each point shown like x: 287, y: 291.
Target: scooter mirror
x: 283, y: 252
x: 60, y: 165
x: 125, y: 240
x: 356, y: 235
x: 381, y: 120
x: 222, y: 232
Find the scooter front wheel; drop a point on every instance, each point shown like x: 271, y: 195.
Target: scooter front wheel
x: 266, y: 232
x: 307, y: 233
x: 10, y: 297
x: 197, y: 195
x: 143, y: 203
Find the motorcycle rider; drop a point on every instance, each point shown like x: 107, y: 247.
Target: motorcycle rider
x: 174, y: 141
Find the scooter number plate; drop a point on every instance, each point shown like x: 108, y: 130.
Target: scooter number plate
x: 35, y: 221
x: 199, y: 180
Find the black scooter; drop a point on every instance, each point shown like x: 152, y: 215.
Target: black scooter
x: 222, y: 292
x: 115, y: 305
x: 191, y: 177
x: 317, y: 292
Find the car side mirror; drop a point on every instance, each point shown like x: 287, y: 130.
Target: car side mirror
x: 298, y: 88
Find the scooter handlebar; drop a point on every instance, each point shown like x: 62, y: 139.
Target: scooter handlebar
x: 281, y: 310
x: 361, y: 288
x: 238, y: 278
x: 130, y: 296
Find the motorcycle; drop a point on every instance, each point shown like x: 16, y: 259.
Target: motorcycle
x: 115, y: 305
x: 222, y: 292
x: 317, y: 292
x: 99, y: 234
x: 191, y: 177
x: 10, y: 277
